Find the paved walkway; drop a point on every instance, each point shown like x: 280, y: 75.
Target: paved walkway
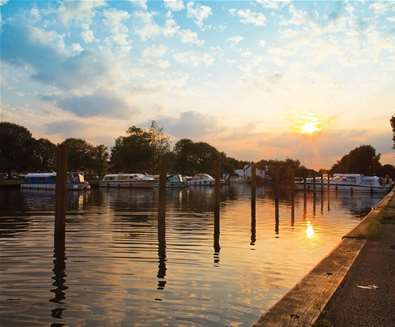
x: 367, y: 295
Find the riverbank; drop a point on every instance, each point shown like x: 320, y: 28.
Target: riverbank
x: 367, y: 295
x: 10, y: 183
x: 304, y: 304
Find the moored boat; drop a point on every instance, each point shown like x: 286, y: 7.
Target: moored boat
x: 348, y: 182
x: 202, y: 179
x: 134, y: 180
x: 174, y: 181
x: 47, y: 181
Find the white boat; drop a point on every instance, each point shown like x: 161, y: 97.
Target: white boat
x: 128, y: 181
x: 202, y: 180
x: 47, y: 181
x: 174, y: 181
x: 347, y: 182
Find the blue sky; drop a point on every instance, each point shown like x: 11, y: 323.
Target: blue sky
x: 242, y: 75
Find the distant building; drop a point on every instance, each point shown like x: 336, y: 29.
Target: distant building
x: 245, y: 172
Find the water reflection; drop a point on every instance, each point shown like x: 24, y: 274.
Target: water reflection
x: 122, y: 245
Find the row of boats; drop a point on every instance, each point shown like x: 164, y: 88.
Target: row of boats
x: 76, y: 181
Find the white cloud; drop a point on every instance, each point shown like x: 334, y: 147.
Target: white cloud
x: 88, y: 36
x: 3, y: 2
x: 146, y: 27
x: 140, y: 3
x: 193, y: 58
x: 188, y: 36
x: 79, y: 11
x: 199, y: 13
x: 235, y: 40
x: 152, y: 56
x: 248, y: 16
x: 170, y: 28
x: 391, y: 19
x: 382, y: 7
x: 174, y: 5
x: 114, y: 20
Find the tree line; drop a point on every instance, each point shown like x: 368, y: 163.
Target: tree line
x: 140, y: 150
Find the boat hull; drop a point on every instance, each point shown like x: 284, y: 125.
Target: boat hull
x: 129, y: 184
x: 69, y: 187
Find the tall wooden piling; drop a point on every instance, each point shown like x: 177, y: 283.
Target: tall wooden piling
x: 217, y: 201
x: 60, y: 194
x: 253, y: 189
x: 59, y: 256
x: 328, y: 183
x: 277, y: 214
x: 304, y: 197
x: 293, y: 208
x: 314, y: 196
x: 162, y: 225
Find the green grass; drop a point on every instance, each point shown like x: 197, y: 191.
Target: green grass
x: 323, y: 323
x: 374, y: 230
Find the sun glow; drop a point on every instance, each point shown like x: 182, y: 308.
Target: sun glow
x: 307, y: 124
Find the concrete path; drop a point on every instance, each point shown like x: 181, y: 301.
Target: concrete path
x: 367, y: 294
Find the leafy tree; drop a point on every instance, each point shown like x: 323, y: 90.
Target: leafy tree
x: 16, y: 144
x: 140, y: 150
x: 44, y: 153
x: 393, y: 130
x: 361, y: 160
x: 387, y: 170
x: 83, y: 156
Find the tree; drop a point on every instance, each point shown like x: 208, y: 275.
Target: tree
x: 361, y: 160
x: 83, y: 156
x: 393, y: 130
x: 44, y: 153
x: 16, y: 143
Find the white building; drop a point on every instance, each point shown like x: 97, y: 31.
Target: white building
x: 245, y: 172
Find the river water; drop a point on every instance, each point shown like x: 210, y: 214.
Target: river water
x: 120, y: 267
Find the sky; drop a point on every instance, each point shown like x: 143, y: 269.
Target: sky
x: 257, y: 79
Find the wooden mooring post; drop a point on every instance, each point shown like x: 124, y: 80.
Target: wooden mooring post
x: 162, y: 225
x: 60, y: 194
x: 217, y: 201
x: 314, y: 196
x: 253, y: 204
x: 304, y: 197
x: 328, y: 183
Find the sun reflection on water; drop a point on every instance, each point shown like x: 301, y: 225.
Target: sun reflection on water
x: 309, y: 230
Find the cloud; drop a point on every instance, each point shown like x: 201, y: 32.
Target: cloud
x: 188, y: 36
x: 52, y: 65
x: 189, y: 124
x: 146, y: 27
x: 78, y: 11
x: 88, y: 36
x: 248, y: 16
x: 235, y: 40
x: 3, y: 2
x: 100, y: 103
x: 114, y: 20
x: 199, y: 13
x: 174, y: 5
x: 140, y: 3
x: 152, y: 56
x: 194, y: 58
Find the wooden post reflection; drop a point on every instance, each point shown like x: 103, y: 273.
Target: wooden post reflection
x: 322, y: 194
x: 293, y: 208
x: 314, y: 196
x: 277, y: 214
x: 253, y: 204
x: 328, y: 183
x: 304, y: 198
x: 162, y: 227
x: 59, y: 257
x: 217, y: 200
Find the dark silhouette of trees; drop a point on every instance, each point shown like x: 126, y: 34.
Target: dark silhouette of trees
x: 361, y: 160
x: 140, y: 150
x: 86, y: 157
x: 44, y: 155
x: 16, y: 148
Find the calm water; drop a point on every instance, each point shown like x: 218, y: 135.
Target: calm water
x: 120, y: 267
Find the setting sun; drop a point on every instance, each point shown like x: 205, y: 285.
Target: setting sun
x: 310, y: 127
